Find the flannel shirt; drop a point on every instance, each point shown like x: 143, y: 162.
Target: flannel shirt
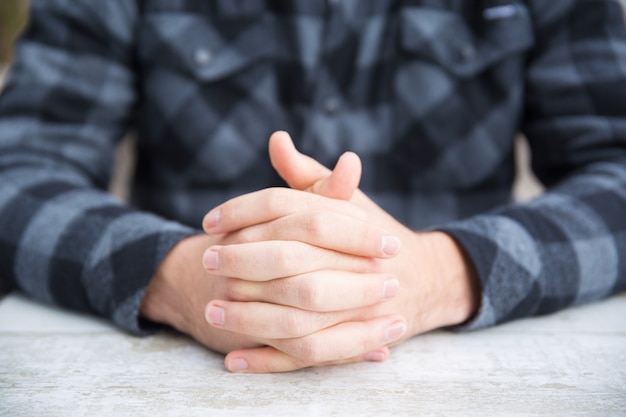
x: 429, y: 93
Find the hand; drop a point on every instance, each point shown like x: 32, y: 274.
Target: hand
x: 179, y: 291
x: 442, y: 292
x: 289, y: 314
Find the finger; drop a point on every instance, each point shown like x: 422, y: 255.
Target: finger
x: 357, y: 237
x: 343, y: 181
x: 268, y: 321
x: 268, y: 359
x: 262, y: 261
x: 302, y: 172
x: 298, y: 170
x: 269, y: 204
x: 343, y: 341
x: 318, y: 291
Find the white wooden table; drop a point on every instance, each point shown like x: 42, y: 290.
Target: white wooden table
x: 55, y: 363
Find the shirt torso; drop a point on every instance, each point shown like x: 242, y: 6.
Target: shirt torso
x: 429, y: 94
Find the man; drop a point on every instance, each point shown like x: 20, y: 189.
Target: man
x: 428, y: 95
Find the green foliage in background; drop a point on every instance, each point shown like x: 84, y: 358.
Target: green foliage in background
x: 13, y: 15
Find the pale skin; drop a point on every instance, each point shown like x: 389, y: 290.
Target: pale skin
x: 312, y: 275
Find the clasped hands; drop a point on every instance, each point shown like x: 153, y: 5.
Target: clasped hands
x: 312, y: 275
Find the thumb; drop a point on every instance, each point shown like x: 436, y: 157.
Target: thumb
x: 302, y: 172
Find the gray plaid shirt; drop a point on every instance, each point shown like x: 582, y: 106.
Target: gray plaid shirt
x: 429, y: 93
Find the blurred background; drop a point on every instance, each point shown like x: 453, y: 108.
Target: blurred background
x: 13, y: 14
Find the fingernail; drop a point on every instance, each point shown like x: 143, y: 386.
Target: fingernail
x: 237, y: 364
x: 215, y: 315
x: 391, y: 245
x: 376, y: 356
x: 209, y: 260
x: 390, y: 288
x: 211, y: 219
x: 395, y: 331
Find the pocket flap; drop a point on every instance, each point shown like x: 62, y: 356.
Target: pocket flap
x: 447, y: 39
x: 210, y: 51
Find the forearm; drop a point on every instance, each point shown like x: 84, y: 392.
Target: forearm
x: 69, y: 244
x: 567, y: 246
x: 562, y: 249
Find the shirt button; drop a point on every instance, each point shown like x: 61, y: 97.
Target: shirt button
x: 202, y: 56
x: 467, y: 52
x: 331, y: 105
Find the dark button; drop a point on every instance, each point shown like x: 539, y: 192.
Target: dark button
x: 331, y: 105
x: 202, y: 56
x: 467, y: 52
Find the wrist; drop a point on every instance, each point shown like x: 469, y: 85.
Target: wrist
x: 167, y: 299
x: 456, y: 287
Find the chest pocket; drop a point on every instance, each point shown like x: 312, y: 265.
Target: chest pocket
x: 453, y: 77
x: 205, y: 64
x: 208, y: 50
x: 447, y: 40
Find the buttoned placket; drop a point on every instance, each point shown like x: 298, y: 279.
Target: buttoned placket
x: 327, y: 99
x: 202, y: 56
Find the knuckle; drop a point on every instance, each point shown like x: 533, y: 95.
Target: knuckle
x: 365, y: 265
x: 230, y: 263
x: 277, y: 200
x: 235, y: 289
x: 294, y: 323
x: 309, y: 296
x: 373, y: 236
x: 284, y: 261
x: 245, y: 235
x: 314, y: 226
x: 311, y: 350
x: 280, y: 290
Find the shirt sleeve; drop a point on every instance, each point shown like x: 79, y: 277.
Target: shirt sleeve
x: 569, y: 245
x: 70, y: 96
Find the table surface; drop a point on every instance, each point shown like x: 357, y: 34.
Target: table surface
x: 573, y: 363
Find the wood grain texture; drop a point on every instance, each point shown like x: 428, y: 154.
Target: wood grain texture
x: 54, y: 363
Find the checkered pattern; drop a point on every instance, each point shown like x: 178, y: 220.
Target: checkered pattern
x: 429, y: 93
